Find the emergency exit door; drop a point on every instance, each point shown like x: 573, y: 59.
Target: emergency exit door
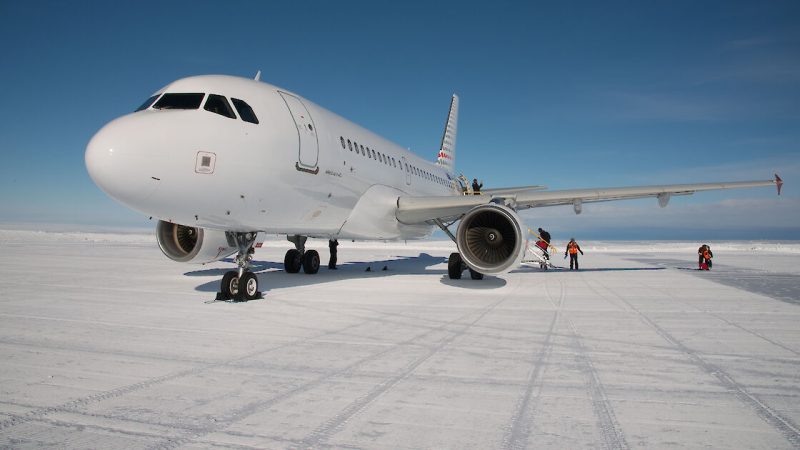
x: 308, y: 144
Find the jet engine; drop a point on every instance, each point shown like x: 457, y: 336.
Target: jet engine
x: 490, y: 239
x: 193, y: 245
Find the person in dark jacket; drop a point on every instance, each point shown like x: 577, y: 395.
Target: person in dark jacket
x: 700, y: 258
x: 544, y: 242
x: 572, y: 250
x: 544, y: 235
x: 476, y: 187
x: 332, y: 244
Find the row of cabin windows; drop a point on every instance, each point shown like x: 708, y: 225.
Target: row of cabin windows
x: 368, y: 152
x: 354, y: 146
x: 216, y: 104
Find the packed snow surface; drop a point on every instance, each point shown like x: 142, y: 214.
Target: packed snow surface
x: 105, y: 343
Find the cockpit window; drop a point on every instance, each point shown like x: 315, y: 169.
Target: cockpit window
x: 245, y: 111
x: 147, y: 103
x: 219, y: 105
x: 179, y: 101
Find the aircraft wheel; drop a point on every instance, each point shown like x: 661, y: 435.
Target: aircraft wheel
x: 230, y: 284
x: 454, y: 266
x: 311, y: 262
x: 292, y: 261
x: 248, y: 287
x: 475, y: 275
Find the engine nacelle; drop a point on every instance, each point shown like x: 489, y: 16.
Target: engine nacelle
x: 490, y: 239
x: 193, y: 245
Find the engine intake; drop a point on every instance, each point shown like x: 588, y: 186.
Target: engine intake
x: 193, y: 245
x: 490, y: 239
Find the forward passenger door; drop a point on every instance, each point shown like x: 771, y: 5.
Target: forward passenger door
x: 308, y: 144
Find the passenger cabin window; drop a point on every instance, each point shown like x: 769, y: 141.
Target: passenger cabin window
x: 147, y: 103
x: 245, y: 111
x: 218, y: 104
x: 179, y: 101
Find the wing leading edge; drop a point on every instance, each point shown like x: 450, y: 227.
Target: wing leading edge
x: 411, y: 210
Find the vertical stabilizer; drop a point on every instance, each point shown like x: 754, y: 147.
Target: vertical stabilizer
x: 447, y: 151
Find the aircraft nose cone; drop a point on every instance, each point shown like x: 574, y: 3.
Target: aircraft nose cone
x: 117, y: 166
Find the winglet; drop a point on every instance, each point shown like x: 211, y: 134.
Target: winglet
x: 778, y: 183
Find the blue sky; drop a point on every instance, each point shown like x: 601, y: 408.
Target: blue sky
x: 567, y: 94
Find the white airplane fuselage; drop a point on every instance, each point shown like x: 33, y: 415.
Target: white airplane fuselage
x: 295, y: 172
x: 218, y: 159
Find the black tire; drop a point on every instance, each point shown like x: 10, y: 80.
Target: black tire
x: 248, y: 287
x: 292, y: 261
x: 230, y: 284
x: 454, y: 266
x: 475, y: 275
x: 311, y: 262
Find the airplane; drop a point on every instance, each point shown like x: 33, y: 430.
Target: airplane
x: 218, y: 159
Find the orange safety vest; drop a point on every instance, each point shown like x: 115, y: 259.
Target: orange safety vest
x: 572, y: 247
x: 706, y: 254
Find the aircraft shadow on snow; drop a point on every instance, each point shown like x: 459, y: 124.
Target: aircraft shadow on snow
x: 272, y: 276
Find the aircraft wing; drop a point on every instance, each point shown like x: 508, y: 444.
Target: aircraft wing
x: 422, y: 209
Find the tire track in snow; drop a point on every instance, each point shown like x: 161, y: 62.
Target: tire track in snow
x: 783, y: 425
x: 73, y: 405
x: 733, y: 324
x: 335, y: 424
x: 328, y: 428
x: 516, y: 436
x: 607, y: 421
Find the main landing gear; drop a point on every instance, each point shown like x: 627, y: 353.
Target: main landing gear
x: 299, y: 257
x: 456, y: 266
x: 241, y: 285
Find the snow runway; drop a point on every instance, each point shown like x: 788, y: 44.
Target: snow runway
x: 105, y: 344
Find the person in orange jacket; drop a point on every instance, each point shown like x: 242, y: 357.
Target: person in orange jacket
x: 707, y: 255
x: 700, y: 258
x: 572, y: 250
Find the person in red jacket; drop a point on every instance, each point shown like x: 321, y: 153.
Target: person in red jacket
x: 572, y: 250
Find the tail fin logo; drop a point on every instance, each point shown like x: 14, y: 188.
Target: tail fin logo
x: 447, y: 151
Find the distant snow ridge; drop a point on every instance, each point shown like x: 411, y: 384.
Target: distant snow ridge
x: 19, y: 236
x: 791, y: 247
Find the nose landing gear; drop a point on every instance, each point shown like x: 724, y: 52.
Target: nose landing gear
x: 241, y: 285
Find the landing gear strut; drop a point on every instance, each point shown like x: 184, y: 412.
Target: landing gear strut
x: 300, y: 257
x: 242, y: 284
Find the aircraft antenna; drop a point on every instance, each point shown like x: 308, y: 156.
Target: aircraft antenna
x: 258, y: 76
